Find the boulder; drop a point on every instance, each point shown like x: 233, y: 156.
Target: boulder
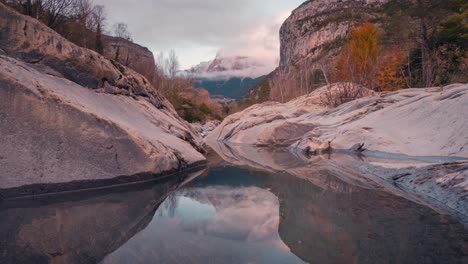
x: 56, y: 131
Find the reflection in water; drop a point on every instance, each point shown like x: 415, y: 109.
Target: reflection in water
x: 215, y: 224
x: 77, y: 228
x: 233, y: 215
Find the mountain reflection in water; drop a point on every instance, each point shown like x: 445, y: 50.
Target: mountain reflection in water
x: 233, y: 215
x: 237, y: 215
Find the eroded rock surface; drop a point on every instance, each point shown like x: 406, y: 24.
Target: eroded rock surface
x: 54, y: 131
x: 418, y: 122
x: 381, y: 136
x: 316, y: 28
x: 29, y: 40
x: 132, y: 55
x: 68, y: 114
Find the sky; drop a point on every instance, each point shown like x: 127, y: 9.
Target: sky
x: 198, y: 29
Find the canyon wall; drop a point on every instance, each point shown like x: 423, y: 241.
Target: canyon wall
x: 318, y: 28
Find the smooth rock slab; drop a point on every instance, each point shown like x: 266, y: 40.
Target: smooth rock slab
x: 55, y: 131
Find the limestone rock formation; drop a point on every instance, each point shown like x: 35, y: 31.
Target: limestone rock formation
x: 400, y: 131
x: 430, y: 117
x: 315, y: 29
x: 29, y: 40
x: 132, y: 55
x: 68, y: 114
x: 312, y: 37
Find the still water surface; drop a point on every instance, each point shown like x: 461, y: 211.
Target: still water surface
x: 231, y: 215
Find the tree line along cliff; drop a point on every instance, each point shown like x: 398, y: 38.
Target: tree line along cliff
x: 409, y: 43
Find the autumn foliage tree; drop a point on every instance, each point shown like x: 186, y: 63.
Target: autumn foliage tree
x: 366, y: 63
x: 358, y: 61
x: 390, y: 76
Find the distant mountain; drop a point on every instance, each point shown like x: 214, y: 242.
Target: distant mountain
x: 224, y: 67
x: 229, y: 76
x: 234, y: 87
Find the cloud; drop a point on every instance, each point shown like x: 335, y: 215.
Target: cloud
x: 197, y: 30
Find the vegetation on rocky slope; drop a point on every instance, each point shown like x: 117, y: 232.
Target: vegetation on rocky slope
x: 84, y: 24
x: 414, y: 43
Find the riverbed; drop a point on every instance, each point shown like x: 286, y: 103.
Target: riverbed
x: 231, y: 214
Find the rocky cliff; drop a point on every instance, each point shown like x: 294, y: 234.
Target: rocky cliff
x: 29, y: 40
x: 318, y: 27
x: 69, y: 114
x: 132, y: 55
x: 311, y: 38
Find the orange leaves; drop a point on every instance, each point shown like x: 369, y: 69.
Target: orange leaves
x: 358, y: 60
x: 365, y: 47
x: 363, y: 62
x: 389, y: 77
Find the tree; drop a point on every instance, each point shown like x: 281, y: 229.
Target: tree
x: 430, y: 14
x: 26, y: 7
x: 172, y: 64
x: 99, y: 44
x: 55, y: 10
x: 421, y: 20
x: 122, y: 34
x: 97, y: 21
x: 356, y: 66
x: 82, y: 16
x: 121, y: 31
x: 390, y: 76
x: 361, y: 54
x: 455, y: 29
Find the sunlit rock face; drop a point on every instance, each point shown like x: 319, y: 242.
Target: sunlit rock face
x: 225, y: 66
x: 317, y: 27
x: 55, y: 131
x: 69, y: 114
x: 401, y: 130
x: 79, y: 228
x: 417, y: 122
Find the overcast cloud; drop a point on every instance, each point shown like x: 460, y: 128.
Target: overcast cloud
x: 198, y: 29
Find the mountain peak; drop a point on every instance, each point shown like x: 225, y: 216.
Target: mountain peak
x: 227, y: 66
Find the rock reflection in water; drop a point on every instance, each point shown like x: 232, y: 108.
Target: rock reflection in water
x: 212, y: 224
x: 237, y: 215
x: 233, y: 215
x: 77, y: 228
